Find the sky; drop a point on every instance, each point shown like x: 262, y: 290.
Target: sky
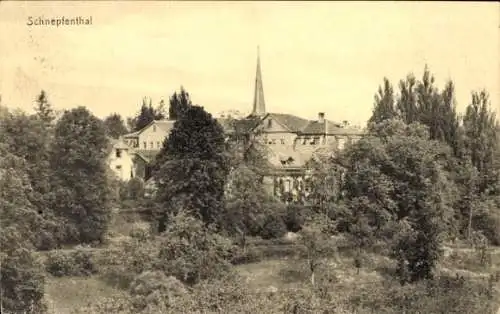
x: 315, y: 56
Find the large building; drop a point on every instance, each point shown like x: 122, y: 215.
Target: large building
x: 291, y: 140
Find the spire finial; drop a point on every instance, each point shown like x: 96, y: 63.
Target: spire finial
x: 259, y: 105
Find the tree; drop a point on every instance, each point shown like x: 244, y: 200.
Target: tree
x: 396, y: 178
x: 192, y: 167
x: 179, y: 103
x: 115, y: 126
x: 481, y: 141
x: 44, y: 109
x: 192, y: 252
x: 384, y: 107
x: 147, y: 114
x: 78, y: 160
x: 21, y: 278
x: 28, y: 138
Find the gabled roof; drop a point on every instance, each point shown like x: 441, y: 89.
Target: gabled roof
x: 165, y: 125
x: 331, y: 128
x: 241, y: 126
x: 289, y: 121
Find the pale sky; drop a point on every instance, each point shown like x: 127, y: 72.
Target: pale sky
x: 316, y: 57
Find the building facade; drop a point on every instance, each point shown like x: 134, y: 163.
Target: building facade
x: 291, y: 141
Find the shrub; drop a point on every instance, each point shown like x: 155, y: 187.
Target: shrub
x: 127, y: 259
x: 273, y: 227
x: 78, y: 262
x: 191, y: 252
x: 22, y: 283
x: 295, y: 217
x: 154, y: 288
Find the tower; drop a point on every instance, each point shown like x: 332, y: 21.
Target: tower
x: 259, y: 105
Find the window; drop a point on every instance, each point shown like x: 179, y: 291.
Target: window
x: 118, y: 153
x: 306, y: 138
x: 145, y: 145
x: 282, y: 141
x: 315, y: 140
x: 157, y: 144
x: 273, y: 141
x: 151, y: 145
x: 118, y: 167
x: 341, y: 143
x: 269, y: 123
x: 154, y: 128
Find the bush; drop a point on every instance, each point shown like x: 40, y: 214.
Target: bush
x: 295, y: 217
x: 127, y: 259
x: 22, y: 283
x: 273, y: 227
x: 191, y: 252
x: 78, y: 262
x: 154, y: 288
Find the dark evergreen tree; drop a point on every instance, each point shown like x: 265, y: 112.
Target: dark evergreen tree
x: 115, y: 126
x: 179, y: 103
x: 147, y: 114
x: 192, y: 167
x: 44, y: 109
x: 78, y: 159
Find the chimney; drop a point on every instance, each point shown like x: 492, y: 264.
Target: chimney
x: 321, y: 117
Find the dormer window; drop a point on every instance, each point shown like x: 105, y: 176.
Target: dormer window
x: 154, y: 128
x: 269, y: 123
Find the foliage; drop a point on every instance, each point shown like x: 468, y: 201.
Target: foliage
x: 192, y: 167
x: 384, y: 106
x: 419, y: 101
x: 481, y: 141
x: 273, y: 226
x: 400, y: 178
x: 314, y: 238
x: 123, y: 261
x: 44, y: 110
x: 179, y: 103
x: 78, y: 262
x: 115, y: 126
x: 22, y: 283
x: 147, y: 114
x: 152, y: 288
x: 133, y: 189
x: 296, y: 216
x: 81, y: 186
x: 192, y: 252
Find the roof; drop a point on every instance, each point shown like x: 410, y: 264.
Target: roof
x: 165, y: 125
x: 289, y: 159
x: 147, y: 155
x: 118, y: 143
x: 245, y: 125
x: 293, y: 123
x: 332, y: 128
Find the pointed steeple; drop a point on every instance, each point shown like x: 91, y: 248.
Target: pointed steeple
x: 259, y: 105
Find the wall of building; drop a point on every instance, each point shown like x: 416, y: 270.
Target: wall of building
x: 121, y: 163
x: 151, y: 138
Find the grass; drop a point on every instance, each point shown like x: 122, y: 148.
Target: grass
x: 66, y: 294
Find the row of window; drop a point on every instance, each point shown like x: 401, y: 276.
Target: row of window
x: 151, y: 145
x: 316, y: 140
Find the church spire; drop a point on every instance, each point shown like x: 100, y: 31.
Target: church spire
x: 259, y: 105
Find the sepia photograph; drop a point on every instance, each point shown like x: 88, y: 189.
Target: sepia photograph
x: 296, y: 157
